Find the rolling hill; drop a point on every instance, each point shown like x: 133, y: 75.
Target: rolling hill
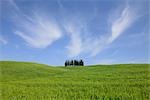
x: 32, y: 81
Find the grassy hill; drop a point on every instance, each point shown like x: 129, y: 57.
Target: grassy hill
x: 32, y: 81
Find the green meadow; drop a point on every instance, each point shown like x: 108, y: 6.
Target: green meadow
x: 32, y: 81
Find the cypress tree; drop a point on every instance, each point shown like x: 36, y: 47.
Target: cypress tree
x: 65, y: 63
x: 71, y: 63
x: 81, y: 63
x: 74, y: 63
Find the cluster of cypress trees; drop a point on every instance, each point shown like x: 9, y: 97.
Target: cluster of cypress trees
x: 74, y: 63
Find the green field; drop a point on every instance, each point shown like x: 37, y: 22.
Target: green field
x: 32, y: 81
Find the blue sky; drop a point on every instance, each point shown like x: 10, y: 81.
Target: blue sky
x: 97, y: 31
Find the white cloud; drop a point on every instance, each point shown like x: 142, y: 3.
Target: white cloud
x: 12, y: 3
x: 75, y: 45
x: 94, y: 45
x: 80, y: 42
x: 37, y: 30
x: 2, y: 40
x: 40, y: 31
x: 122, y: 23
x: 119, y: 25
x: 83, y: 43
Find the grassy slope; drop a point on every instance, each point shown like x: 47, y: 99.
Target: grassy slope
x: 21, y: 80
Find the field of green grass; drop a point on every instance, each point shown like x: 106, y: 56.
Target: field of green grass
x: 32, y: 81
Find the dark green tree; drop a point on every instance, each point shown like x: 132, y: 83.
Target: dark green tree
x: 81, y: 62
x: 65, y: 63
x: 71, y: 62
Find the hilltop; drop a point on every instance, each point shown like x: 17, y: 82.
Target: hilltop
x: 23, y: 80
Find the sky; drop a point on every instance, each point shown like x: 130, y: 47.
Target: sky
x: 97, y: 31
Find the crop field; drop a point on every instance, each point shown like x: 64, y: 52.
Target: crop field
x: 32, y: 81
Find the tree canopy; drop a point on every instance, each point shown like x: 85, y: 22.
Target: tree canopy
x: 74, y: 63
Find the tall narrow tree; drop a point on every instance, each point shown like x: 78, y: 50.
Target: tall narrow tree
x: 65, y: 63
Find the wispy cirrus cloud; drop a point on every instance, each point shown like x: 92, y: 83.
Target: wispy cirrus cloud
x: 3, y: 40
x: 83, y: 43
x: 41, y: 30
x: 75, y: 45
x: 127, y: 17
x: 38, y: 30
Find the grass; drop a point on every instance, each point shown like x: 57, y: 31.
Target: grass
x: 31, y: 81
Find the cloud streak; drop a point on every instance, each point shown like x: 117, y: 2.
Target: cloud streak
x: 82, y: 43
x: 3, y: 41
x: 37, y: 30
x: 119, y: 25
x: 40, y: 31
x: 122, y: 23
x: 75, y: 45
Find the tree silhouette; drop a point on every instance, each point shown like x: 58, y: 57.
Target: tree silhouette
x: 65, y: 63
x: 81, y: 63
x: 74, y: 63
x: 68, y: 63
x: 71, y: 63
